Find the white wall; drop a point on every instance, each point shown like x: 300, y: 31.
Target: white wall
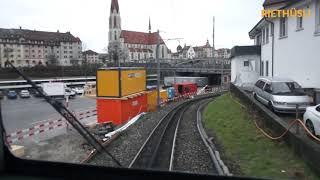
x: 247, y: 74
x: 298, y: 56
x: 266, y: 53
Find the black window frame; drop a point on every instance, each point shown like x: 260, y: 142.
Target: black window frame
x: 246, y: 63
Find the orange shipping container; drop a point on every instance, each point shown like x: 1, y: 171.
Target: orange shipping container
x: 120, y: 110
x: 152, y: 100
x: 163, y: 95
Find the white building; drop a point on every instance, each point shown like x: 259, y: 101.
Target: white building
x: 290, y: 45
x: 30, y: 47
x: 187, y: 52
x: 245, y: 65
x: 90, y: 56
x: 127, y: 45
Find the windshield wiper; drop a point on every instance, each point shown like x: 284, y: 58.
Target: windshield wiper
x: 61, y: 109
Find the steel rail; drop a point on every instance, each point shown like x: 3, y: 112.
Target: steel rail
x: 171, y: 115
x: 206, y: 140
x: 151, y: 134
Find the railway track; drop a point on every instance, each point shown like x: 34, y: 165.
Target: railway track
x: 177, y: 144
x: 168, y: 140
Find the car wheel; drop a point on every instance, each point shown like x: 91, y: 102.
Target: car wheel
x: 270, y: 106
x: 255, y: 96
x: 310, y: 127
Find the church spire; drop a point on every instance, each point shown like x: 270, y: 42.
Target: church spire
x: 149, y: 25
x: 115, y: 6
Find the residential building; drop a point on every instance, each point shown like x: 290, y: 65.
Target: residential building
x: 245, y: 65
x: 24, y: 47
x: 203, y: 51
x: 104, y: 57
x: 290, y: 45
x: 223, y: 53
x: 125, y: 45
x: 187, y: 52
x: 90, y: 57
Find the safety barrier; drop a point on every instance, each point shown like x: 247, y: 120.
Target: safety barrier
x: 47, y: 125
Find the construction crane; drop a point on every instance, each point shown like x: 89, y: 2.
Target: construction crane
x: 67, y: 114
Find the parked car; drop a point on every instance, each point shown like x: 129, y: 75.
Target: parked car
x: 311, y: 119
x: 70, y: 93
x: 78, y: 90
x: 12, y: 95
x: 281, y: 95
x: 24, y: 94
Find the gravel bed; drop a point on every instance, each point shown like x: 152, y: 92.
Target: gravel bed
x: 126, y: 146
x: 191, y: 155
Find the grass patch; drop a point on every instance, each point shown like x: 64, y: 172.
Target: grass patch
x: 241, y: 143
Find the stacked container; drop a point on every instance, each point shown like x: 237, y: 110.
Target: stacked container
x: 121, y: 94
x: 185, y: 88
x: 163, y: 96
x: 152, y: 100
x: 171, y: 92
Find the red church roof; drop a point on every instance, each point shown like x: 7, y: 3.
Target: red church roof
x: 114, y: 5
x: 132, y: 37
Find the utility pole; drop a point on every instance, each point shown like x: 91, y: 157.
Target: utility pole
x: 213, y: 39
x: 158, y: 68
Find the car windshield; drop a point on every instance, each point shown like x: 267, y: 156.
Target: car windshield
x: 287, y: 88
x: 164, y: 85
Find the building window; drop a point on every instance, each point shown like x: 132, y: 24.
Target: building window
x: 267, y: 68
x: 115, y: 22
x: 318, y: 17
x: 246, y: 63
x: 263, y: 36
x: 299, y: 23
x: 139, y: 56
x: 162, y: 52
x: 267, y: 34
x: 262, y: 68
x: 283, y: 27
x: 115, y: 35
x: 258, y: 41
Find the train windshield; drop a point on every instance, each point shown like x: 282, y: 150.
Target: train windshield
x: 164, y: 85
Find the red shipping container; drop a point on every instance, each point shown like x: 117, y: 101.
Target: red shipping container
x: 120, y: 110
x: 185, y: 88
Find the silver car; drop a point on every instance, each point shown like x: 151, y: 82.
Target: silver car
x: 281, y: 95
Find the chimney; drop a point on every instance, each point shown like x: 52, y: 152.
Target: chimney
x: 58, y: 31
x: 20, y: 27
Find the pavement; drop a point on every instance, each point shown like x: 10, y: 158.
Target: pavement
x: 24, y: 113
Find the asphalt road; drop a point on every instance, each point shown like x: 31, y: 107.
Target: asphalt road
x: 24, y: 113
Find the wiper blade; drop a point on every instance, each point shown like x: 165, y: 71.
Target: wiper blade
x: 61, y: 109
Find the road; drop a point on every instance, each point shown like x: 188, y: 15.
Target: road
x: 23, y: 113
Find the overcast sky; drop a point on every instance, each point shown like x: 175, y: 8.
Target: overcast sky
x: 187, y: 19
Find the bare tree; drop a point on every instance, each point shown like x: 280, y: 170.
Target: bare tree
x: 52, y: 60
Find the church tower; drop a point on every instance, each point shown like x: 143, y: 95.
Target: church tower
x: 114, y: 46
x: 114, y: 22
